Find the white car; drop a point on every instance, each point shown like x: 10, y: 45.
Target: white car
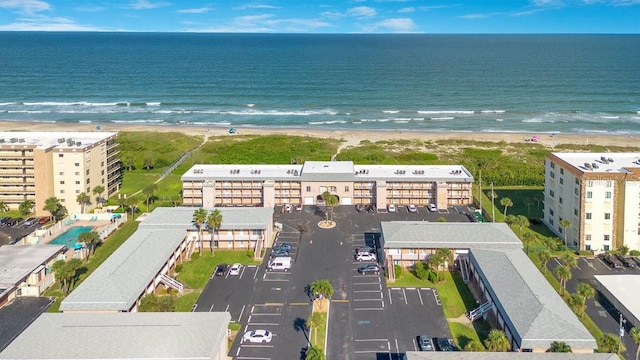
x: 257, y: 336
x: 433, y: 207
x: 235, y: 269
x: 392, y: 208
x: 412, y: 208
x: 366, y: 257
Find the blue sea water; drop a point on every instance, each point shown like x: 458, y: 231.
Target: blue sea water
x: 543, y: 83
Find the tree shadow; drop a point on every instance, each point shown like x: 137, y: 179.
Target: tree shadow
x: 300, y: 324
x: 463, y: 340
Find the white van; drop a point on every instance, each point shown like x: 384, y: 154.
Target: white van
x: 280, y: 264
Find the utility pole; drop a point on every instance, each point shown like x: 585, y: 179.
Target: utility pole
x: 493, y: 205
x: 480, y: 192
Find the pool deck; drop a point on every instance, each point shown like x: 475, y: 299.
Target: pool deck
x: 103, y: 225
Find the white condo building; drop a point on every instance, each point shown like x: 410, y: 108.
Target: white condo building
x: 599, y: 193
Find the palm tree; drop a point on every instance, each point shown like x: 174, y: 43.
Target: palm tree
x: 610, y: 343
x: 132, y: 203
x: 527, y: 239
x: 55, y: 208
x: 332, y: 202
x: 563, y: 273
x: 3, y: 206
x: 148, y: 192
x: 560, y: 347
x: 83, y: 200
x: 62, y: 273
x: 98, y: 190
x: 585, y: 290
x: 565, y: 224
x: 569, y: 260
x: 497, y: 341
x: 200, y: 217
x: 90, y: 239
x: 493, y: 195
x: 544, y: 257
x: 506, y: 202
x: 314, y: 353
x: 528, y: 202
x: 323, y: 288
x: 521, y: 222
x: 577, y: 304
x: 129, y: 162
x: 314, y: 321
x: 26, y: 207
x: 214, y: 221
x: 635, y: 336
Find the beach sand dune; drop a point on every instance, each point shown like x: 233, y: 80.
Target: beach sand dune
x: 350, y: 137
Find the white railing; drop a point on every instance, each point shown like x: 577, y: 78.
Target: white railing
x: 479, y: 311
x: 171, y: 282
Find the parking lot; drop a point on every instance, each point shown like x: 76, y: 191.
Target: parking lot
x: 12, y: 233
x: 366, y: 317
x: 599, y: 309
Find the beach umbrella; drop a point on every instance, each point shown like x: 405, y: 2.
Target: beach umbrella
x: 232, y: 131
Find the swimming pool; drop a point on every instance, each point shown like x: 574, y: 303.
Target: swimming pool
x: 70, y: 237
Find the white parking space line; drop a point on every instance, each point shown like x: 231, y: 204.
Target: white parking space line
x: 420, y: 296
x: 241, y: 312
x: 390, y: 301
x: 367, y: 309
x: 211, y: 308
x: 405, y: 297
x: 366, y: 300
x: 366, y: 291
x: 589, y: 263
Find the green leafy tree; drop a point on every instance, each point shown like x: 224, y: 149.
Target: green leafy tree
x: 315, y: 321
x: 3, y: 206
x: 26, y: 207
x: 559, y: 347
x: 585, y: 290
x: 563, y: 273
x: 544, y: 256
x: 148, y: 162
x: 439, y: 259
x: 565, y: 224
x: 497, y: 341
x: 55, y: 208
x: 214, y: 221
x: 528, y: 238
x: 148, y: 191
x: 421, y: 271
x: 132, y: 203
x: 200, y: 218
x: 83, y: 199
x: 521, y: 222
x: 569, y: 259
x: 506, y: 203
x: 90, y: 239
x: 610, y: 343
x: 62, y: 273
x: 129, y: 162
x: 74, y: 265
x: 98, y: 190
x: 623, y: 250
x: 314, y: 353
x: 153, y: 303
x: 635, y: 337
x: 322, y: 288
x: 577, y: 304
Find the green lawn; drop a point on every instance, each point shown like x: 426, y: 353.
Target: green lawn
x: 196, y: 272
x: 318, y: 341
x: 184, y: 303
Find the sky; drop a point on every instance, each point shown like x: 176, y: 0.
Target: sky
x: 325, y: 16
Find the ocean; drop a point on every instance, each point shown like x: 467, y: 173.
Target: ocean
x: 466, y: 83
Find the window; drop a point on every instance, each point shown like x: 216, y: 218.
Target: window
x: 607, y: 237
x: 606, y: 248
x: 560, y: 199
x: 346, y: 189
x: 61, y: 173
x: 88, y: 180
x: 76, y: 164
x: 607, y: 195
x: 587, y: 237
x: 552, y: 193
x: 590, y: 183
x: 561, y: 181
x: 609, y: 183
x: 589, y: 194
x: 77, y: 182
x: 61, y: 182
x: 561, y: 171
x: 575, y: 212
x: 560, y: 229
x: 61, y: 191
x: 60, y: 155
x: 553, y: 165
x: 77, y: 191
x: 87, y: 171
x: 333, y: 189
x: 63, y: 200
x: 88, y: 190
x: 551, y: 212
x: 587, y: 216
x: 575, y: 191
x: 553, y: 175
x: 607, y: 216
x: 577, y: 181
x: 551, y: 222
x: 77, y: 173
x: 308, y: 188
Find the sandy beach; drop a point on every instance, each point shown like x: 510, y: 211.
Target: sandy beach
x: 351, y: 137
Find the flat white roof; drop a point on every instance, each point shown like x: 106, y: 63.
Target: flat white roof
x: 328, y: 171
x: 187, y: 336
x: 58, y: 139
x: 625, y: 288
x: 18, y: 261
x: 621, y: 161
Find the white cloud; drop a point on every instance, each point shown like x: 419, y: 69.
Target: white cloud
x: 89, y: 8
x: 195, y: 11
x: 406, y: 10
x: 332, y: 15
x: 146, y: 4
x: 362, y: 11
x: 265, y: 23
x: 255, y: 6
x: 46, y: 23
x: 25, y: 6
x: 396, y: 25
x: 476, y: 16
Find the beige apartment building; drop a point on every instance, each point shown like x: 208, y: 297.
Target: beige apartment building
x: 380, y: 185
x: 599, y: 193
x: 38, y: 165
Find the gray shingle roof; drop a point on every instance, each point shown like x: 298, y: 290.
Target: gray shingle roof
x: 121, y: 336
x: 420, y: 234
x: 18, y: 261
x: 533, y: 308
x: 240, y: 218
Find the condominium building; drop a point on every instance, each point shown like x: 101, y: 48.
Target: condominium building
x: 38, y: 165
x: 599, y: 195
x: 380, y: 185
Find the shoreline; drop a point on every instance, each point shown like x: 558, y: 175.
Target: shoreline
x: 351, y: 137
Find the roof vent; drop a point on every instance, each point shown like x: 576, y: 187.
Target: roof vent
x: 21, y: 140
x: 587, y: 166
x: 610, y: 159
x: 13, y: 140
x: 61, y: 140
x: 2, y: 141
x: 595, y: 165
x: 78, y: 143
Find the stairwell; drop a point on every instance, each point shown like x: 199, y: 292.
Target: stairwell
x: 171, y: 282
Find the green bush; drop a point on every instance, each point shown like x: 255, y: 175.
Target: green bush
x: 421, y: 271
x: 433, y: 277
x: 634, y: 252
x: 398, y: 270
x: 179, y: 268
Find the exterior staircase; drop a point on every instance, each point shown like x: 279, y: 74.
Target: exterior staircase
x: 464, y: 267
x: 171, y: 282
x: 479, y: 311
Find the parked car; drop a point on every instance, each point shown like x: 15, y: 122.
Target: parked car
x: 366, y: 257
x: 371, y: 208
x: 391, y: 208
x: 369, y: 269
x: 611, y: 261
x: 432, y: 207
x: 360, y: 207
x: 221, y: 269
x: 279, y: 253
x: 636, y: 259
x: 425, y: 343
x: 288, y: 208
x: 444, y: 344
x: 43, y: 220
x: 235, y: 269
x: 282, y: 246
x: 365, y: 250
x: 257, y: 336
x: 412, y: 208
x: 626, y: 261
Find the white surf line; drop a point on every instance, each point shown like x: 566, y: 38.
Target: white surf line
x: 420, y: 296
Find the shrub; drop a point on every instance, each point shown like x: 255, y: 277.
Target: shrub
x: 634, y: 252
x: 179, y: 268
x: 251, y: 253
x: 398, y: 270
x: 421, y: 271
x: 433, y: 277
